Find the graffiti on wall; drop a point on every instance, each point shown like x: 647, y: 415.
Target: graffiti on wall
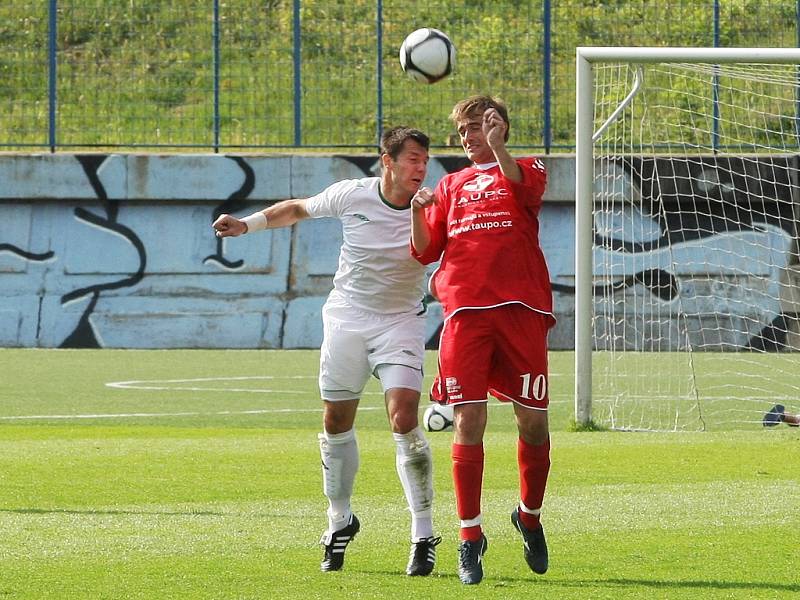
x: 703, y: 244
x: 117, y: 250
x: 112, y: 264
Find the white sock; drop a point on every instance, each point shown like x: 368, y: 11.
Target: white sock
x: 415, y: 468
x: 339, y: 453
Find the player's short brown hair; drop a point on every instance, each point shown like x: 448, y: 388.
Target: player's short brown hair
x: 475, y: 106
x: 393, y: 139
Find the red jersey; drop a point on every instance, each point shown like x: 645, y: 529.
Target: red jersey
x: 485, y: 228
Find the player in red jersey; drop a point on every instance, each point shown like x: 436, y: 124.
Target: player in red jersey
x: 494, y: 286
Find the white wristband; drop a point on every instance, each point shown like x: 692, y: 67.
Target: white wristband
x: 255, y: 222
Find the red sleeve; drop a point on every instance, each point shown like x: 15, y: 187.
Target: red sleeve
x: 436, y: 218
x: 534, y: 180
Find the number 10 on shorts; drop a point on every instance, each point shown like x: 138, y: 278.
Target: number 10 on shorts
x: 539, y: 388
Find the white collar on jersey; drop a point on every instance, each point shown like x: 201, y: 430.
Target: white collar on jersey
x: 486, y: 166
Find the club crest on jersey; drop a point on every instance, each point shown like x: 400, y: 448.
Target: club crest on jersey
x: 476, y: 190
x: 480, y: 183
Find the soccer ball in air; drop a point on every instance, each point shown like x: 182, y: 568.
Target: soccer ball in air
x: 427, y: 55
x: 438, y: 417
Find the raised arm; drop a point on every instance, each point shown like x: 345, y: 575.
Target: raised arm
x: 494, y: 128
x: 282, y: 214
x: 420, y: 234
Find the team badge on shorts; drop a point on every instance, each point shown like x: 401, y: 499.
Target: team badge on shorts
x: 453, y: 388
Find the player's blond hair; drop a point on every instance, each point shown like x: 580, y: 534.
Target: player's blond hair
x: 475, y: 106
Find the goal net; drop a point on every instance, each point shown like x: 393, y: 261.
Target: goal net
x: 687, y: 274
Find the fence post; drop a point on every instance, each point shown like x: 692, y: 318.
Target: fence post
x: 52, y: 41
x: 298, y: 88
x: 547, y: 133
x: 215, y: 38
x: 379, y: 32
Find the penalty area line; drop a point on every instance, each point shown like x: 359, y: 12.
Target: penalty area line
x: 220, y: 413
x: 153, y: 385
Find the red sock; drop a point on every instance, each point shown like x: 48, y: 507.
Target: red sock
x: 534, y: 466
x: 468, y: 479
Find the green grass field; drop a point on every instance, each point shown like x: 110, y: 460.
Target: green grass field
x: 186, y: 482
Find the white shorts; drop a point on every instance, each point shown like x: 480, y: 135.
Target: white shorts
x: 357, y: 343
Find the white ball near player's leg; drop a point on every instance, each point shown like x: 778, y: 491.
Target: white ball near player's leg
x: 438, y: 417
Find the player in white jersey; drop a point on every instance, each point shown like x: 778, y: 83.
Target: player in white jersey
x: 374, y: 324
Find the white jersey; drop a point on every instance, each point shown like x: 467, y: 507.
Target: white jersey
x: 376, y: 270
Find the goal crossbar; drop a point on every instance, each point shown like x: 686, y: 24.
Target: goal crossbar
x: 594, y: 54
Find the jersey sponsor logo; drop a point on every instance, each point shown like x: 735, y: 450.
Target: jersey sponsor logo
x: 481, y: 196
x: 480, y: 183
x: 480, y: 225
x: 479, y: 220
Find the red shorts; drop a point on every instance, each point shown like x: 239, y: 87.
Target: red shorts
x: 500, y: 351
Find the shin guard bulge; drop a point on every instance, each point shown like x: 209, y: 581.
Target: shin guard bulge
x: 339, y: 452
x: 415, y: 469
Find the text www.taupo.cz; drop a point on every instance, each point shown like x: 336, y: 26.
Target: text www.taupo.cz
x: 486, y: 225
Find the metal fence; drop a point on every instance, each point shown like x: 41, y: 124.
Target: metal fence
x: 233, y: 75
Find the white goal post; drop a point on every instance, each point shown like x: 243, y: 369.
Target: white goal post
x: 686, y: 236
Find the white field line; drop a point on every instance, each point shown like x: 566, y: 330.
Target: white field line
x: 175, y: 414
x: 140, y: 384
x: 153, y: 385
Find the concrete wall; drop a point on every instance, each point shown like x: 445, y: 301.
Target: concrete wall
x: 117, y: 250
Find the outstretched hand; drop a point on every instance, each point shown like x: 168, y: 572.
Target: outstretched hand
x: 228, y: 226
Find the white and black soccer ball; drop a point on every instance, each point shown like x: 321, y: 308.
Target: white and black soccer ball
x: 438, y: 417
x: 427, y: 55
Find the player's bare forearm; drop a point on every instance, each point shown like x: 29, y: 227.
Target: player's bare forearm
x: 420, y: 236
x: 282, y: 214
x: 495, y: 129
x: 508, y: 165
x: 286, y: 213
